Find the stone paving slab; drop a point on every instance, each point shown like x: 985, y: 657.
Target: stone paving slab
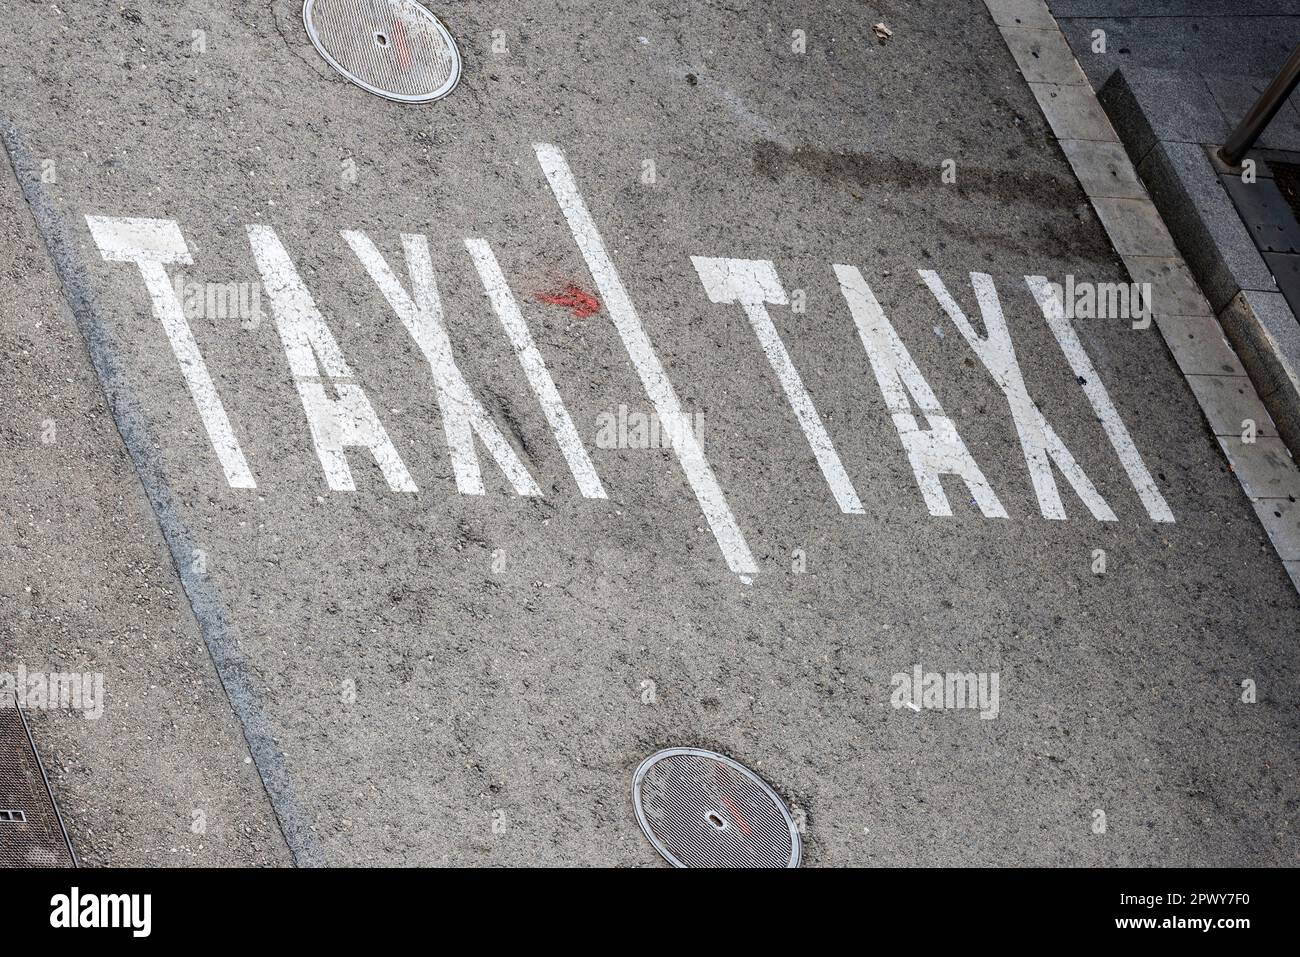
x: 1235, y: 95
x: 1230, y: 403
x: 1267, y: 337
x: 1134, y: 227
x: 1021, y: 13
x: 1227, y: 42
x: 1285, y: 268
x: 1281, y: 518
x: 1167, y: 8
x: 1103, y: 169
x: 1073, y: 112
x: 1149, y: 105
x: 1198, y: 345
x: 1173, y: 288
x: 1264, y: 467
x: 1043, y: 56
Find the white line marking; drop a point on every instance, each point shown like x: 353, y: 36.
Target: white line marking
x: 653, y: 377
x: 754, y: 283
x: 1039, y: 441
x: 534, y: 366
x: 463, y: 416
x: 336, y: 424
x: 1093, y: 388
x: 933, y: 452
x: 150, y: 244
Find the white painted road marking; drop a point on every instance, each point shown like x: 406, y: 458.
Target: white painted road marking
x: 1041, y: 445
x: 507, y: 310
x: 319, y: 371
x: 1084, y: 371
x: 336, y: 424
x: 754, y: 284
x: 933, y: 452
x: 151, y: 244
x: 463, y: 416
x: 653, y: 378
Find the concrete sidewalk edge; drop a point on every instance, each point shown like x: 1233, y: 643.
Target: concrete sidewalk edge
x: 1263, y: 465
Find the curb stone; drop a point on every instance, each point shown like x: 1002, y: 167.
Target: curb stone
x: 1264, y: 466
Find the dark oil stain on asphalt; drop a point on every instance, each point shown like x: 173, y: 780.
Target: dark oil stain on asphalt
x: 867, y: 170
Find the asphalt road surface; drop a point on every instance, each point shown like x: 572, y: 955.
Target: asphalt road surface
x: 323, y: 425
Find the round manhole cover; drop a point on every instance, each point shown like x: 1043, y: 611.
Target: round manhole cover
x: 394, y: 48
x: 701, y: 809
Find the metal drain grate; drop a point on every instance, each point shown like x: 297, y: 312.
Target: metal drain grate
x: 701, y: 809
x: 393, y: 48
x: 31, y: 830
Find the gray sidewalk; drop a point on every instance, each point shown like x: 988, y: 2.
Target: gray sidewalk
x: 1221, y: 37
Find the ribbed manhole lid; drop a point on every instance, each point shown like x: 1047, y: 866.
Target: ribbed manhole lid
x: 701, y: 809
x: 394, y: 48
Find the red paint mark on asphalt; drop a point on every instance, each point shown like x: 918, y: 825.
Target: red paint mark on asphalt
x: 574, y: 298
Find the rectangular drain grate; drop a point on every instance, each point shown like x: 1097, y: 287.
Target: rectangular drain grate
x: 31, y: 829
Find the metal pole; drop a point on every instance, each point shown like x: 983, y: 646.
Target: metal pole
x: 1262, y: 113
